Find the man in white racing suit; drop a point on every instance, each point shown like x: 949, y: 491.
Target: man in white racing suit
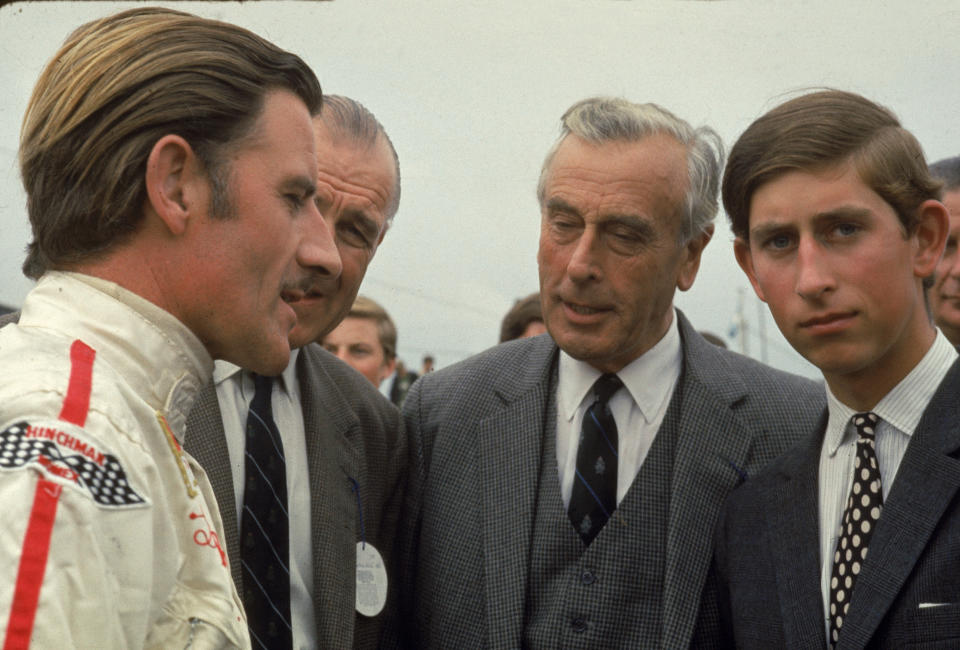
x: 94, y: 485
x: 170, y: 166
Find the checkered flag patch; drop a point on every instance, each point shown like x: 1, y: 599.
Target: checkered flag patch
x: 66, y: 456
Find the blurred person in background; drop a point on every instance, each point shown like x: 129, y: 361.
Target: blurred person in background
x: 397, y: 385
x: 427, y: 364
x: 944, y: 295
x: 524, y: 319
x: 366, y: 340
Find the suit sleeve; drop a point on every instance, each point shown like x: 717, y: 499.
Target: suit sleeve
x: 713, y: 629
x: 401, y: 633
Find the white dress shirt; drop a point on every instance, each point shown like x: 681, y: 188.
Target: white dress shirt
x: 387, y: 384
x: 899, y: 411
x: 638, y: 409
x: 234, y: 393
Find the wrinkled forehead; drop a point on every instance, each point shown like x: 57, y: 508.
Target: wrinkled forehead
x: 650, y: 173
x: 363, y: 165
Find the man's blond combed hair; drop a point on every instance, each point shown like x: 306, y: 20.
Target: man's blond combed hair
x: 115, y: 87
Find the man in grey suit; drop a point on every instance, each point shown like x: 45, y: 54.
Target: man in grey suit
x: 342, y: 440
x: 837, y: 226
x: 494, y: 558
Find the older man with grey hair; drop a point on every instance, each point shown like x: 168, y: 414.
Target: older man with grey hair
x: 341, y: 461
x: 564, y: 488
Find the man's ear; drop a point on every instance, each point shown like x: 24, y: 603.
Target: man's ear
x: 388, y: 369
x: 693, y: 250
x: 741, y: 250
x: 172, y: 173
x: 930, y: 236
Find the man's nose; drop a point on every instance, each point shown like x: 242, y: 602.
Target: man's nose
x: 813, y: 276
x: 318, y: 248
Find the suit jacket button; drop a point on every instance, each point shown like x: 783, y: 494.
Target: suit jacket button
x: 579, y: 625
x: 588, y: 577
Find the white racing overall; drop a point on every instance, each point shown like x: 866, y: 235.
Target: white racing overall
x: 110, y: 532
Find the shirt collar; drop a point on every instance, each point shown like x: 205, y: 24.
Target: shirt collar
x: 649, y: 378
x: 287, y: 380
x: 157, y: 355
x: 904, y: 405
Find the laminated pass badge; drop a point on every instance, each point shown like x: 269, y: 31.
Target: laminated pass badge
x: 371, y: 580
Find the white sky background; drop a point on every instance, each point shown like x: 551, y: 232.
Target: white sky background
x: 471, y: 93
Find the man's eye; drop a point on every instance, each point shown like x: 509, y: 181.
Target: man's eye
x: 626, y: 235
x: 778, y: 242
x: 295, y: 200
x: 564, y: 227
x: 354, y: 236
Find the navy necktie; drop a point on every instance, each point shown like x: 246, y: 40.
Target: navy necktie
x: 594, y: 495
x: 265, y: 528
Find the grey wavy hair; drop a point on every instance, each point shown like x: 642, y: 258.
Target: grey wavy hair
x: 612, y: 119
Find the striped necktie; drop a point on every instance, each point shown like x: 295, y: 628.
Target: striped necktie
x: 594, y: 495
x: 264, y: 527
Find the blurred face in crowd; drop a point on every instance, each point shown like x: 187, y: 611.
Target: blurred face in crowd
x: 354, y: 186
x: 356, y: 342
x: 610, y: 258
x: 841, y: 277
x: 534, y: 328
x: 945, y: 293
x: 272, y: 247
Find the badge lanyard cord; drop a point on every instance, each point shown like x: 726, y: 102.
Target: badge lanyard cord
x: 355, y: 488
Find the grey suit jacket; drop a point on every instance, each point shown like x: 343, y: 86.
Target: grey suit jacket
x: 767, y: 564
x: 352, y: 433
x: 476, y: 431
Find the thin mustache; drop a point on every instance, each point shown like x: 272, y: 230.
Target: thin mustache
x: 311, y: 283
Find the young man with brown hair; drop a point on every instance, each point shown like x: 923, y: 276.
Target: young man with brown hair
x: 837, y: 224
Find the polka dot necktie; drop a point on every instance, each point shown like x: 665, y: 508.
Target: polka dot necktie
x: 859, y: 520
x: 264, y: 526
x: 594, y: 495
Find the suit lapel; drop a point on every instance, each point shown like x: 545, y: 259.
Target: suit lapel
x: 333, y: 460
x: 706, y: 469
x: 925, y: 484
x: 510, y: 444
x: 711, y: 453
x: 206, y: 442
x: 793, y: 528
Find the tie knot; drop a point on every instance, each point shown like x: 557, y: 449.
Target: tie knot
x: 866, y: 424
x: 606, y: 386
x: 262, y: 389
